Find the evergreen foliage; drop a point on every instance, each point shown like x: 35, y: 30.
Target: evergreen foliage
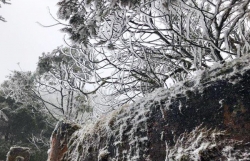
x: 20, y: 126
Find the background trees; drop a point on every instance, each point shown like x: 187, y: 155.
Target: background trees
x: 143, y: 45
x: 23, y: 126
x: 57, y: 87
x: 62, y: 75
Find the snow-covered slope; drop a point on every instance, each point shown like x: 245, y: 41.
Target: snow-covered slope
x: 204, y: 118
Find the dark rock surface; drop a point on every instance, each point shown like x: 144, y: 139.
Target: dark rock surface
x: 206, y: 118
x: 18, y: 154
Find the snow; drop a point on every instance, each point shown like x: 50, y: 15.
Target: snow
x: 118, y: 118
x: 232, y: 154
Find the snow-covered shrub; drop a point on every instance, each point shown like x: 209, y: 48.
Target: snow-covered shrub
x: 206, y: 144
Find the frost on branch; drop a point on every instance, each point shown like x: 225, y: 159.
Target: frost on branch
x: 149, y: 43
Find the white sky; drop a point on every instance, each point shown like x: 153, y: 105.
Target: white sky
x: 22, y: 40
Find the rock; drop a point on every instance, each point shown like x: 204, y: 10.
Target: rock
x: 18, y: 154
x: 209, y: 117
x: 60, y: 138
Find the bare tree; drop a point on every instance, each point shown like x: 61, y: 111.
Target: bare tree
x: 60, y: 83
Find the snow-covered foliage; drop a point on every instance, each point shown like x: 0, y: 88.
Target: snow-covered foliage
x: 117, y: 124
x: 142, y: 45
x: 60, y: 81
x: 57, y: 86
x: 19, y: 87
x: 231, y: 71
x: 206, y: 144
x: 103, y: 154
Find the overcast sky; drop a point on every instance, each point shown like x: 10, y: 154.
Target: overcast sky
x: 22, y: 40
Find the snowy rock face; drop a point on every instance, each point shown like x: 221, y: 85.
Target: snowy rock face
x: 205, y: 118
x: 59, y: 140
